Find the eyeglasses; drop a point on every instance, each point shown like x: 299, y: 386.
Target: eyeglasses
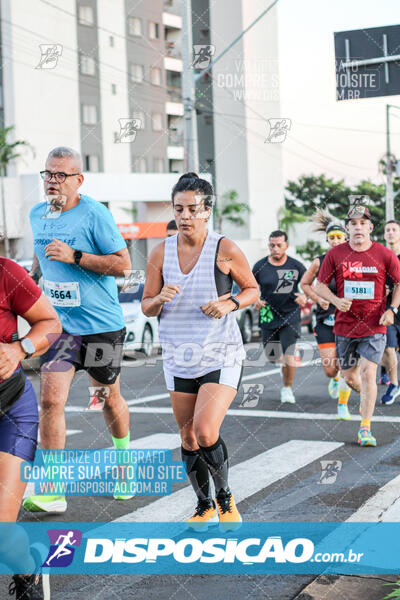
x: 59, y: 177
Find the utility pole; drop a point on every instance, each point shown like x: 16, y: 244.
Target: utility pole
x: 189, y: 90
x: 389, y: 183
x: 189, y: 79
x: 389, y: 177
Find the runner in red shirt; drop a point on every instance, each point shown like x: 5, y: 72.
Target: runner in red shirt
x: 20, y: 296
x: 360, y: 267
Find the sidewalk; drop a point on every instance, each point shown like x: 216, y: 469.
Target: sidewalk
x: 346, y: 587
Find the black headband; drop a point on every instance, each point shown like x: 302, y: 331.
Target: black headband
x: 335, y: 227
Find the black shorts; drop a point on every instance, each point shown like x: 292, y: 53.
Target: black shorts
x: 324, y: 335
x: 100, y: 354
x: 231, y: 376
x: 278, y: 341
x: 393, y: 336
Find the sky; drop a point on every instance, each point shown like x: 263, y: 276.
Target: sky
x: 322, y: 137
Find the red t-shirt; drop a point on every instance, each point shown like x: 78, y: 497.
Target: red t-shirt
x: 362, y: 277
x: 18, y: 293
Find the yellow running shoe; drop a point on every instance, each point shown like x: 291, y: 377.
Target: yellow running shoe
x: 204, y: 516
x: 229, y: 516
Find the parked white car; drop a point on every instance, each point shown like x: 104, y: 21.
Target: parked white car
x: 141, y: 331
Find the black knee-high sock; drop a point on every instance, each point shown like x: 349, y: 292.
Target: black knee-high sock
x: 216, y: 457
x: 197, y: 471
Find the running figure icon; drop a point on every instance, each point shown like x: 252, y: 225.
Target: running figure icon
x: 62, y: 542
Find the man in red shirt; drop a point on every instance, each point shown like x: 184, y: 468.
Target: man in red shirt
x: 360, y: 267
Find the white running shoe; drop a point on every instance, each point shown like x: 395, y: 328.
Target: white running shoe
x: 287, y: 396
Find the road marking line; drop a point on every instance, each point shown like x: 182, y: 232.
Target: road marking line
x: 245, y: 479
x: 243, y: 412
x: 382, y: 506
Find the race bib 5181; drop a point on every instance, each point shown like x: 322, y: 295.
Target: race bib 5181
x: 359, y: 290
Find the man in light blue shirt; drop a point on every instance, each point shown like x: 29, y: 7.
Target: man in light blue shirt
x: 80, y: 251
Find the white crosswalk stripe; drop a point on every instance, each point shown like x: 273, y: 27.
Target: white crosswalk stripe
x: 265, y: 468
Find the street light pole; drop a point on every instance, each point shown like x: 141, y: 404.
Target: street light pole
x: 389, y: 183
x: 188, y: 89
x: 389, y: 177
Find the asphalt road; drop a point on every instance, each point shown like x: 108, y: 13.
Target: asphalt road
x: 281, y: 450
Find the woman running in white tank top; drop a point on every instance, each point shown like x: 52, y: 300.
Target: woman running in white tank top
x: 189, y: 284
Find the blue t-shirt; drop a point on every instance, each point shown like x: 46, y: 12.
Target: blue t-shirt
x: 86, y: 302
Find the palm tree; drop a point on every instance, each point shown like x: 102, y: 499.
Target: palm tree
x: 8, y: 152
x: 287, y: 219
x: 230, y: 211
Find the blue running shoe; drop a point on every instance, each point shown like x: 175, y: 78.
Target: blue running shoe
x: 384, y: 380
x: 391, y: 394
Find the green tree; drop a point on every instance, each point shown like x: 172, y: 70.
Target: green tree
x: 288, y: 218
x: 231, y: 210
x: 8, y: 152
x: 311, y: 192
x: 310, y: 250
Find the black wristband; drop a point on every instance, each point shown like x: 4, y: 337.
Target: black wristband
x: 235, y: 301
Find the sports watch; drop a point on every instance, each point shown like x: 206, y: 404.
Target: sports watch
x: 77, y: 256
x: 394, y: 309
x: 235, y: 302
x: 28, y: 347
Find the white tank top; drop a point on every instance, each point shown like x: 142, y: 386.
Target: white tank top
x: 193, y: 343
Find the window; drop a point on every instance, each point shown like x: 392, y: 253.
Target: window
x: 154, y: 31
x: 88, y: 65
x: 159, y: 165
x: 155, y: 75
x: 137, y: 73
x: 140, y: 165
x: 111, y: 38
x: 86, y: 15
x: 157, y: 121
x: 89, y: 114
x: 134, y: 26
x: 113, y: 89
x: 92, y: 163
x: 139, y: 115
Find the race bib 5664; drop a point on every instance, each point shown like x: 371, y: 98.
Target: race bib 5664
x: 64, y: 293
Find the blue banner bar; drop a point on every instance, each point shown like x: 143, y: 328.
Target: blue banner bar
x: 149, y: 548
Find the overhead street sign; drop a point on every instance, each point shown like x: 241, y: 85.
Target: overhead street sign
x: 367, y: 62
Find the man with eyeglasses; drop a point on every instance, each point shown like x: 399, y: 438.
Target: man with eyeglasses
x: 80, y: 251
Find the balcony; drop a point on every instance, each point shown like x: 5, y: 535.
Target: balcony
x: 173, y: 64
x: 171, y: 20
x: 174, y: 93
x: 175, y: 138
x: 173, y: 49
x: 172, y: 7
